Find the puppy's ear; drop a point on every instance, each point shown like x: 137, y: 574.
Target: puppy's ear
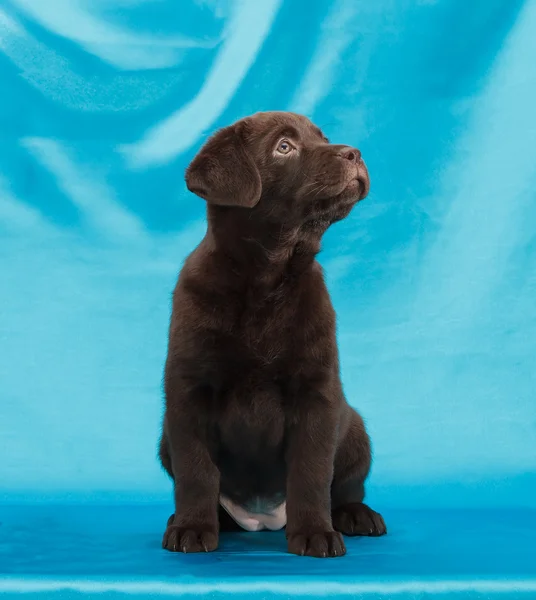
x: 223, y: 172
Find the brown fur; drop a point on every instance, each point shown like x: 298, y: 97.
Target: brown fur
x: 254, y: 402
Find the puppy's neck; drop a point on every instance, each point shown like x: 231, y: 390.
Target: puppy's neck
x: 262, y: 249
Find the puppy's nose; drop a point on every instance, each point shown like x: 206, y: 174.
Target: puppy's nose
x: 351, y: 154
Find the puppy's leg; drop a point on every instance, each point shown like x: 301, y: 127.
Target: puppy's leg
x: 350, y: 515
x: 310, y: 456
x: 163, y: 454
x: 227, y: 523
x: 194, y: 526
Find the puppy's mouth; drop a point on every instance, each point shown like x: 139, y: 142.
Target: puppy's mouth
x: 355, y: 184
x: 359, y: 184
x: 341, y: 195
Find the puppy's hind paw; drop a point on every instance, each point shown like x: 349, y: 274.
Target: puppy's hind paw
x: 358, y: 519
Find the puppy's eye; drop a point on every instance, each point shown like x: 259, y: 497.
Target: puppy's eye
x: 284, y: 147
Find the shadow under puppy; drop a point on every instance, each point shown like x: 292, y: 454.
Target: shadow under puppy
x: 257, y: 432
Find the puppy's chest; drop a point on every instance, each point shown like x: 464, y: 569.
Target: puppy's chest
x: 268, y: 329
x: 251, y: 417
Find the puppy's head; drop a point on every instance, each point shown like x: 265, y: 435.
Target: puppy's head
x: 281, y: 167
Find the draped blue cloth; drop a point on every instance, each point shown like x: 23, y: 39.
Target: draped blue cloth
x: 102, y: 105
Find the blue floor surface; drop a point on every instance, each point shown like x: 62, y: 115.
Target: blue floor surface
x: 72, y: 551
x: 103, y: 104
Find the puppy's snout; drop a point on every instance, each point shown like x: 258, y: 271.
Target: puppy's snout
x: 351, y: 154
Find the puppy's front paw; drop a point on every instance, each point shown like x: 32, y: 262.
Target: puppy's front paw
x: 358, y: 519
x: 326, y: 544
x: 188, y: 539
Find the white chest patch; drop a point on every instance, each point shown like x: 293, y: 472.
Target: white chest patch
x: 274, y: 520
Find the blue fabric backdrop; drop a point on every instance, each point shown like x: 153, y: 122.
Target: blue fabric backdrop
x: 102, y: 105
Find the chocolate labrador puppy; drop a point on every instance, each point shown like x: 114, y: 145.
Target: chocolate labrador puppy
x: 257, y: 432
